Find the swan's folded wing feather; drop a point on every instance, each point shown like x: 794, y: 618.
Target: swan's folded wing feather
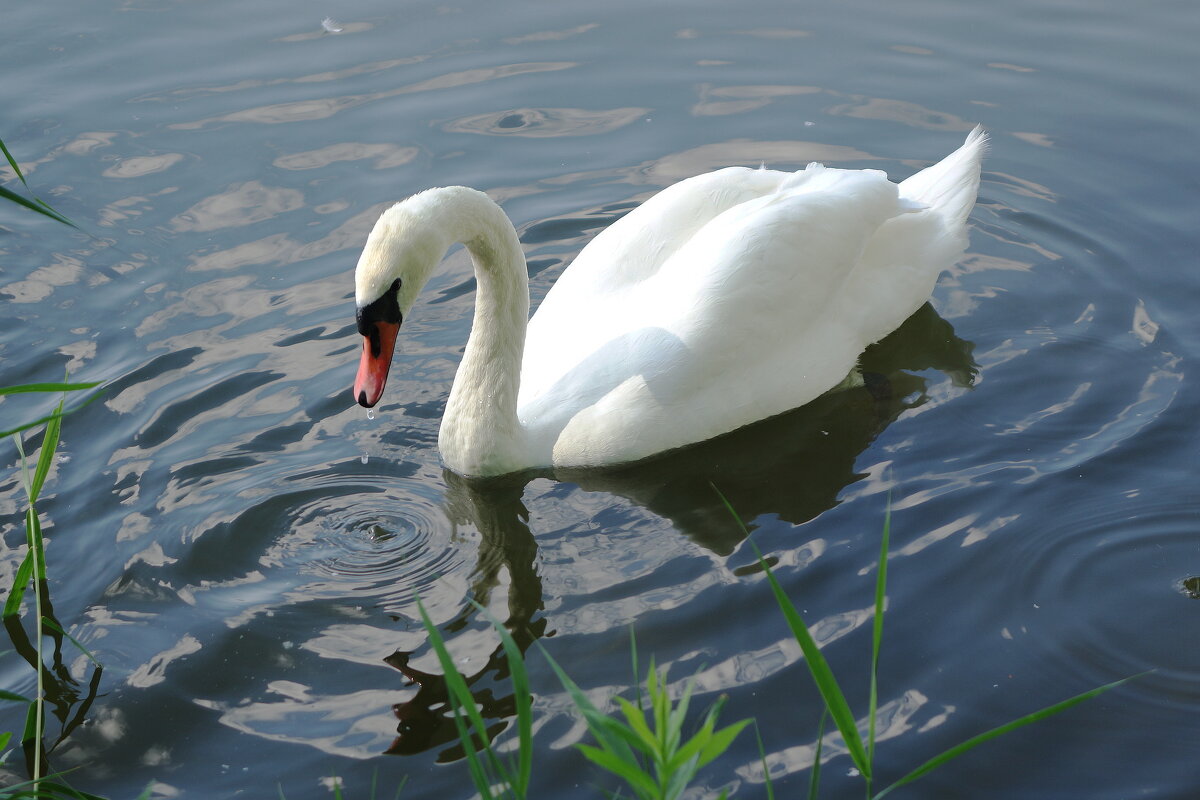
x: 634, y: 247
x: 768, y: 269
x: 736, y: 325
x: 589, y: 304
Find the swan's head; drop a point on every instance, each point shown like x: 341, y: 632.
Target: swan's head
x: 396, y: 262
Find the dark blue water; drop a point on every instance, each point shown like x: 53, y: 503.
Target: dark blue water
x: 242, y: 549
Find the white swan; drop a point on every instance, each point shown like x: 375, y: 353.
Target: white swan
x: 723, y: 300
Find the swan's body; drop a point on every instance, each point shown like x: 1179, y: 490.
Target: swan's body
x: 723, y: 300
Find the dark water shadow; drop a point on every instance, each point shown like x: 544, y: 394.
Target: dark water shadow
x: 793, y: 466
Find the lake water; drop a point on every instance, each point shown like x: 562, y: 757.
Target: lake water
x: 242, y: 548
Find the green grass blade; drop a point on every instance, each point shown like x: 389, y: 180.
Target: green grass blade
x: 12, y: 162
x: 815, y: 779
x: 877, y: 630
x: 822, y: 673
x: 637, y: 778
x: 591, y: 715
x: 49, y: 417
x: 13, y: 697
x: 46, y: 456
x: 676, y: 715
x: 635, y: 718
x: 31, y: 722
x: 818, y: 667
x: 463, y: 703
x: 33, y: 532
x: 47, y: 388
x: 45, y: 788
x: 523, y: 699
x: 637, y: 678
x: 37, y: 206
x: 720, y: 742
x: 28, y: 425
x: 53, y: 625
x: 12, y: 606
x: 975, y: 741
x: 762, y: 755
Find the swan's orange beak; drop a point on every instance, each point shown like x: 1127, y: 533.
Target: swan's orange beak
x: 378, y: 344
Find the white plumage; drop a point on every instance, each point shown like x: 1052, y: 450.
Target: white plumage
x: 725, y: 299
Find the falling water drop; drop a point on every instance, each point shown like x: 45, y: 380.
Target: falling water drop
x: 370, y: 414
x: 363, y: 458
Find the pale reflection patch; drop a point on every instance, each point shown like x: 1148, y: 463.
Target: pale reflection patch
x: 903, y: 112
x: 154, y: 670
x: 240, y: 204
x: 64, y: 271
x: 552, y: 36
x: 384, y: 155
x: 722, y: 100
x: 138, y: 166
x: 325, y: 107
x: 545, y: 122
x: 360, y: 730
x: 1039, y: 139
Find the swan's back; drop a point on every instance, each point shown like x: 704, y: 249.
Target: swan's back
x: 732, y: 297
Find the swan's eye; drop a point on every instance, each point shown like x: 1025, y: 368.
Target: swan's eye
x: 385, y: 309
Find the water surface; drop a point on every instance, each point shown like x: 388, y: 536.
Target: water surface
x: 242, y: 548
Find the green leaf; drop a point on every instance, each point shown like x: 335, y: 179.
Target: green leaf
x: 675, y: 718
x: 975, y: 741
x: 638, y: 780
x: 818, y: 667
x: 877, y: 629
x: 12, y: 606
x: 46, y: 456
x: 590, y: 713
x: 762, y: 755
x: 523, y: 699
x: 815, y: 779
x: 47, y: 387
x: 821, y: 672
x: 12, y: 162
x: 636, y: 719
x: 49, y: 417
x: 37, y: 206
x: 31, y: 719
x: 53, y: 625
x: 14, y: 697
x: 692, y: 747
x: 720, y: 742
x: 463, y: 703
x: 33, y: 534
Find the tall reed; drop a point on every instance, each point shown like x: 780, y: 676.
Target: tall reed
x: 33, y: 571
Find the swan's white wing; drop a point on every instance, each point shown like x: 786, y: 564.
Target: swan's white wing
x: 738, y: 324
x: 639, y: 243
x: 589, y: 303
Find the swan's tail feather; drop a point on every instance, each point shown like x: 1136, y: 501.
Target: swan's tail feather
x: 950, y: 185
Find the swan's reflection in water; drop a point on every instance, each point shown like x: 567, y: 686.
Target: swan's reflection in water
x: 793, y: 466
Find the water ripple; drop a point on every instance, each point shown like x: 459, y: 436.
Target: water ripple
x: 1086, y: 574
x: 364, y: 535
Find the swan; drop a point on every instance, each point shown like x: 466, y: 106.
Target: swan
x: 725, y: 299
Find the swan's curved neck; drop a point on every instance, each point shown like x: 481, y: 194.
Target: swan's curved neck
x: 480, y: 433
